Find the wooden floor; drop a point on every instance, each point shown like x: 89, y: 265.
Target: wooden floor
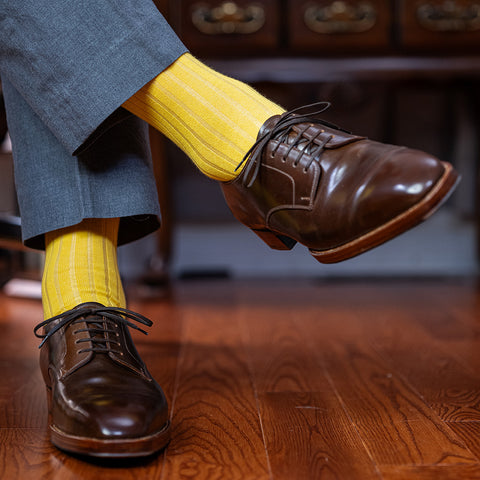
x: 297, y: 380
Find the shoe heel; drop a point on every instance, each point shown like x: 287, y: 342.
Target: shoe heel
x: 275, y: 240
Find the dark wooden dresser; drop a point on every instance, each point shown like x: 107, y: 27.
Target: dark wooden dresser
x: 325, y: 28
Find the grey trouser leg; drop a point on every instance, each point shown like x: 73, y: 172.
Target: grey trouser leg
x: 112, y: 178
x: 67, y: 66
x: 76, y: 62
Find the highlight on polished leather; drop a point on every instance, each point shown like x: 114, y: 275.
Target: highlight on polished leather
x: 102, y: 400
x: 308, y: 181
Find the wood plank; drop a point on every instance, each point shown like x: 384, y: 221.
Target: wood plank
x: 469, y: 432
x: 418, y: 334
x: 462, y: 332
x: 26, y: 406
x: 22, y: 391
x: 444, y: 472
x: 449, y: 388
x: 427, y: 326
x: 216, y: 429
x: 309, y: 436
x: 393, y: 421
x: 161, y: 347
x: 307, y: 432
x: 330, y: 380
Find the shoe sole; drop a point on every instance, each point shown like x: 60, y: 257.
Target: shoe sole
x: 400, y: 224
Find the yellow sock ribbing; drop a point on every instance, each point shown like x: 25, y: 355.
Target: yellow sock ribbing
x: 81, y: 266
x: 214, y: 119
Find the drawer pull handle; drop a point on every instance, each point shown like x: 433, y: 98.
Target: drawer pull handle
x: 228, y: 18
x: 449, y: 17
x: 339, y: 17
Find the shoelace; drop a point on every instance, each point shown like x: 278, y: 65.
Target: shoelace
x: 281, y: 131
x: 95, y: 319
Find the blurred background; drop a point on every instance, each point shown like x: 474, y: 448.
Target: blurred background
x: 398, y: 71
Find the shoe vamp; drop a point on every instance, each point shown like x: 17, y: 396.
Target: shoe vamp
x: 362, y: 186
x: 102, y: 398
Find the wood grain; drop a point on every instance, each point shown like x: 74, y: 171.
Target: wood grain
x: 279, y: 380
x: 216, y: 428
x: 297, y: 406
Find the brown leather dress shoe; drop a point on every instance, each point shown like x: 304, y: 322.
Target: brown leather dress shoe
x: 338, y: 194
x: 102, y: 400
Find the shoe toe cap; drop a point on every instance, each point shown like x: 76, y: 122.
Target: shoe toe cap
x: 110, y: 405
x: 401, y: 181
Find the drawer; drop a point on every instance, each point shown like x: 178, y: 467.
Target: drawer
x: 330, y: 26
x: 236, y: 27
x: 446, y: 24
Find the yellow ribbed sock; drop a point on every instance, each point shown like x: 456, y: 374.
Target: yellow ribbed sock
x: 81, y: 266
x: 214, y: 119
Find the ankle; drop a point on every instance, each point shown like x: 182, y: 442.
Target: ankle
x: 81, y: 266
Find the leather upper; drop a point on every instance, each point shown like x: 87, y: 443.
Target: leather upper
x: 98, y: 392
x: 325, y: 187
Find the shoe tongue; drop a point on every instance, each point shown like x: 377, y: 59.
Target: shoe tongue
x: 89, y: 305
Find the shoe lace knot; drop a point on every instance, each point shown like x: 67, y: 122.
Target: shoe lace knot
x: 101, y: 323
x: 282, y: 133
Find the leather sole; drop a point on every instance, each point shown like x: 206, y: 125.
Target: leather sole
x: 408, y: 219
x: 109, y: 448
